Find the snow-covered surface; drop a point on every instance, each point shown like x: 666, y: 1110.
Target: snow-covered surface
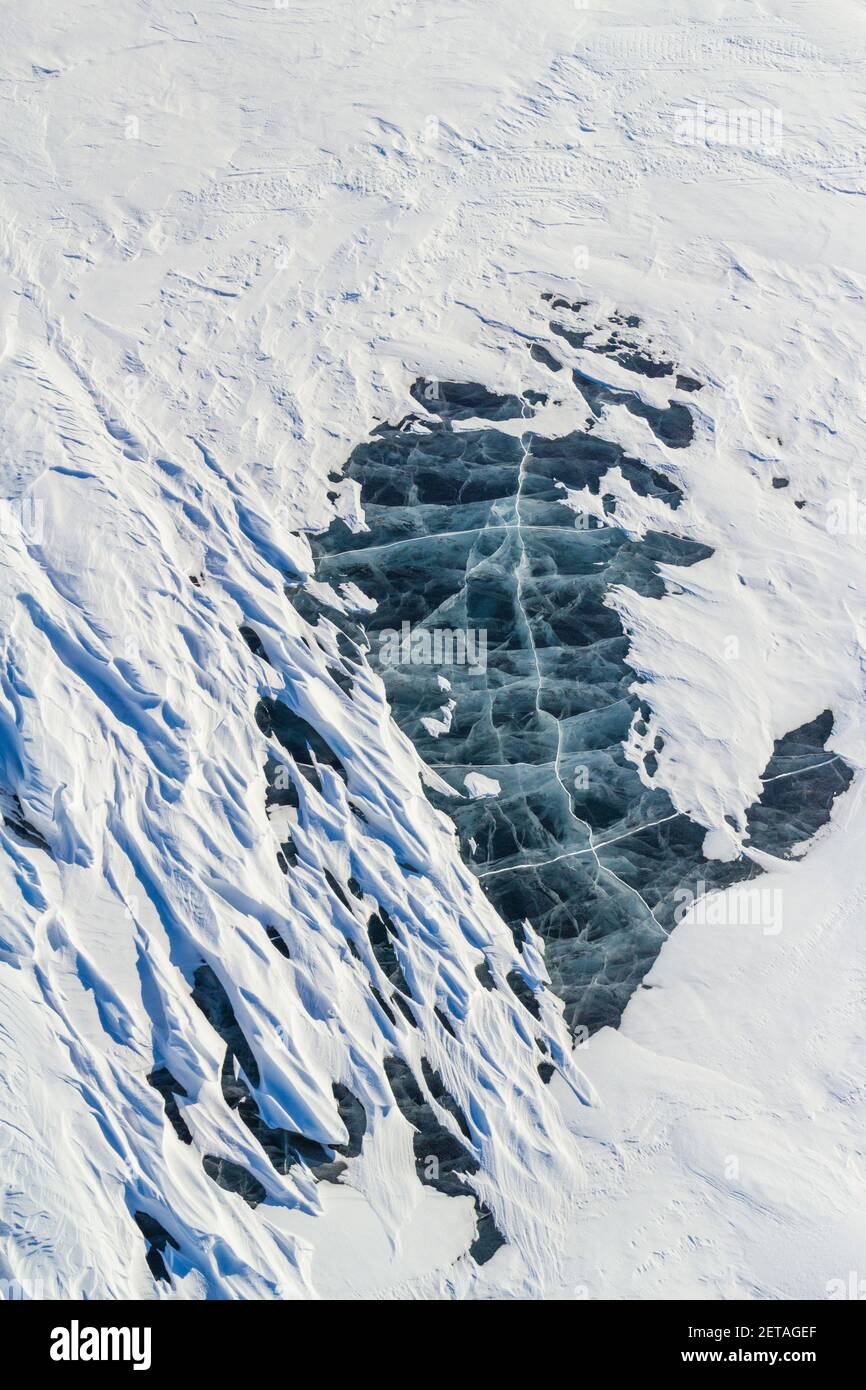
x: 229, y: 239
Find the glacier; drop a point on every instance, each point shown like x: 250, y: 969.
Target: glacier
x: 266, y: 1029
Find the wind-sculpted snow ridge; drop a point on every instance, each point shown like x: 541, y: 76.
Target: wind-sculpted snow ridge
x: 507, y: 667
x: 233, y: 926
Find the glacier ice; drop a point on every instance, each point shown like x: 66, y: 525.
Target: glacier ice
x: 469, y: 534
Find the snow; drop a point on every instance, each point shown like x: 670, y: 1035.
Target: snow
x: 229, y: 240
x: 735, y: 1083
x: 478, y: 785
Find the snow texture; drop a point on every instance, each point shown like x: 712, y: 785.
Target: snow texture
x: 260, y: 1026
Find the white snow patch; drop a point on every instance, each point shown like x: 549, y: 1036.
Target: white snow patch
x: 477, y: 784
